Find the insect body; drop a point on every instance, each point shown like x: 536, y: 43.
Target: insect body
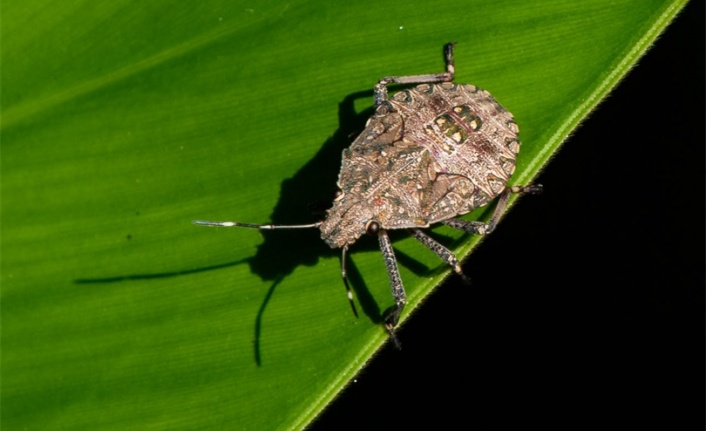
x: 427, y: 155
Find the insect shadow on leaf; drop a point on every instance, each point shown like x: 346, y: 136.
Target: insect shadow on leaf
x: 306, y: 196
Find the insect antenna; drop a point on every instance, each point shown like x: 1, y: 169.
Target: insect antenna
x: 344, y: 252
x: 256, y: 226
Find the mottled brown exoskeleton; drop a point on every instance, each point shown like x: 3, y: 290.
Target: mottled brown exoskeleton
x: 428, y: 154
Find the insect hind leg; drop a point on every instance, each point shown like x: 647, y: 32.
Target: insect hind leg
x: 380, y: 89
x: 444, y: 253
x: 480, y: 228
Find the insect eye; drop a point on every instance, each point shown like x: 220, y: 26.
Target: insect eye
x: 338, y: 195
x: 372, y: 227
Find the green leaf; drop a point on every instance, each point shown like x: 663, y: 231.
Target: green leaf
x: 123, y: 121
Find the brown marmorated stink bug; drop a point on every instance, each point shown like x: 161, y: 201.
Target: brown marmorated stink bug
x: 427, y: 155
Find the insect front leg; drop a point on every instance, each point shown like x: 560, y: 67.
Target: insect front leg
x: 344, y: 276
x: 380, y: 89
x: 392, y: 314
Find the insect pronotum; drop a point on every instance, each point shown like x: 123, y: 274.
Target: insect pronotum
x: 427, y: 155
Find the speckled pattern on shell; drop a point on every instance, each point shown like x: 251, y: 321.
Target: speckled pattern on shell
x: 428, y: 154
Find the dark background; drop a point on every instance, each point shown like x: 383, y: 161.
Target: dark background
x: 574, y: 320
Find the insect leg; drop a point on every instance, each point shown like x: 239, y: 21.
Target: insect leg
x: 344, y: 276
x: 380, y: 89
x: 444, y: 253
x: 481, y: 228
x: 392, y: 314
x: 475, y: 227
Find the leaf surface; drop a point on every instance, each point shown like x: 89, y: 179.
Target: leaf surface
x: 123, y: 121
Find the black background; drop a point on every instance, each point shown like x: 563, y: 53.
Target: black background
x: 574, y: 319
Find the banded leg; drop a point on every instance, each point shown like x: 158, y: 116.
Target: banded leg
x: 444, y: 253
x: 392, y: 314
x: 380, y: 89
x: 344, y: 276
x: 480, y: 228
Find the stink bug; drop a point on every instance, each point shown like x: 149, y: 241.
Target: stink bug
x: 427, y: 155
